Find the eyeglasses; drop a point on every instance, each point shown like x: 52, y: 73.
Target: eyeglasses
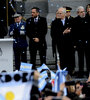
x: 81, y: 11
x: 59, y: 13
x: 67, y: 11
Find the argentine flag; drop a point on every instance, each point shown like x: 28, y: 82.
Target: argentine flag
x: 25, y: 67
x: 44, y: 75
x: 39, y: 69
x: 42, y: 82
x: 59, y: 78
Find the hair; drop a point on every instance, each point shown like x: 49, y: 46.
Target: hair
x: 77, y: 82
x: 37, y: 9
x: 79, y: 7
x: 64, y: 9
x: 87, y: 6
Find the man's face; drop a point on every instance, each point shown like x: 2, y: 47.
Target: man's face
x: 18, y: 19
x: 81, y: 13
x: 68, y: 13
x: 61, y: 14
x: 57, y: 14
x: 88, y: 11
x: 34, y: 13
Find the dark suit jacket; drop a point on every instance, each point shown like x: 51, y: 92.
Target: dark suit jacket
x: 88, y: 25
x: 36, y: 30
x: 80, y: 30
x: 58, y: 39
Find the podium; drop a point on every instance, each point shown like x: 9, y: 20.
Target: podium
x: 6, y: 55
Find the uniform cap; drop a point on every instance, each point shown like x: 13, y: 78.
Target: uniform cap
x: 68, y: 8
x: 16, y: 15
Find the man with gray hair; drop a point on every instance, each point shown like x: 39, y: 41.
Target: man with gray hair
x: 61, y: 39
x: 80, y: 11
x: 80, y: 37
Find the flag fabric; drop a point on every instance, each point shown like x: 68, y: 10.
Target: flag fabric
x: 60, y: 78
x: 15, y: 91
x: 44, y: 70
x: 58, y: 67
x: 43, y: 75
x: 25, y: 66
x: 2, y: 97
x: 39, y: 69
x: 15, y: 86
x: 52, y: 77
x: 56, y: 88
x: 41, y: 81
x: 41, y: 84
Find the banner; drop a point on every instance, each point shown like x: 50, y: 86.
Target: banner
x: 16, y: 91
x: 15, y: 86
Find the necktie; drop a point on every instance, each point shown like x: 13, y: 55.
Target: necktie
x: 17, y: 24
x: 35, y: 20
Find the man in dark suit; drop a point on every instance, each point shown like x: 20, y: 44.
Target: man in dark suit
x: 36, y: 29
x: 62, y: 40
x: 80, y: 37
x: 18, y: 32
x: 87, y: 17
x: 68, y: 12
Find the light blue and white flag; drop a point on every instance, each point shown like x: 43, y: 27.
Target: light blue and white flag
x: 39, y: 69
x: 43, y: 75
x: 25, y: 67
x: 60, y: 78
x: 44, y: 70
x: 42, y: 83
x: 52, y: 77
x: 58, y: 67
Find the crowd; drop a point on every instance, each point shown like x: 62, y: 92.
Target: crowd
x: 75, y: 91
x: 69, y: 34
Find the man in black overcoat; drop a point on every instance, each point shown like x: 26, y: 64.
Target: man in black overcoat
x: 62, y: 40
x: 80, y: 38
x: 36, y: 29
